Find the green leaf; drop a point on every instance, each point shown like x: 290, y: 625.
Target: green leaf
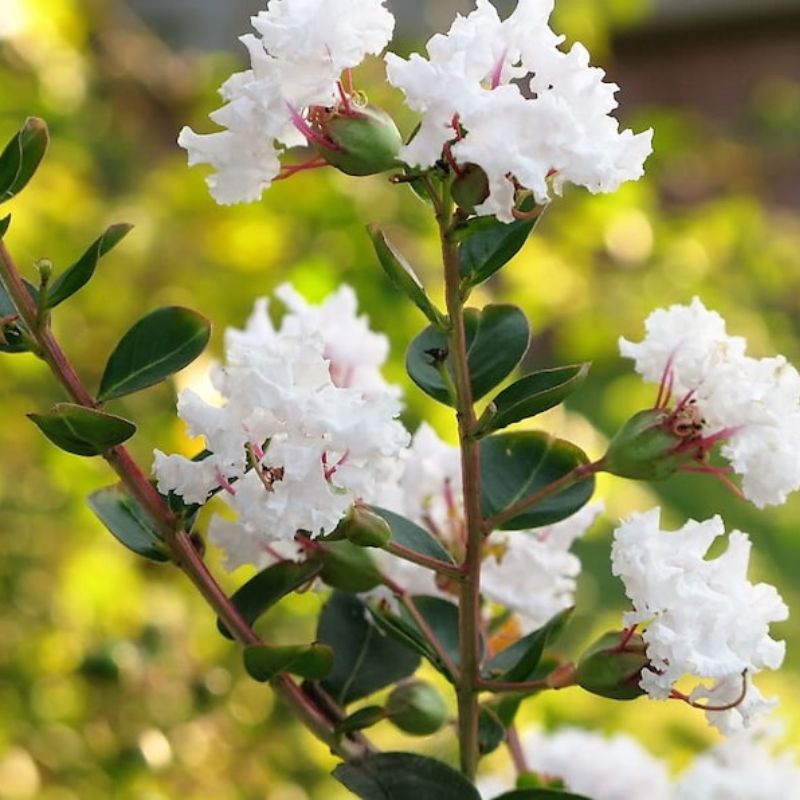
x: 519, y: 662
x: 488, y: 245
x: 532, y: 395
x: 80, y: 273
x: 83, y: 431
x: 441, y: 617
x: 540, y: 794
x: 22, y: 156
x: 128, y: 521
x: 365, y: 660
x: 163, y: 342
x: 402, y: 275
x: 363, y: 718
x: 515, y: 466
x: 491, y: 732
x: 265, y: 662
x: 404, y: 776
x: 4, y: 224
x: 411, y: 536
x: 262, y: 591
x: 497, y: 339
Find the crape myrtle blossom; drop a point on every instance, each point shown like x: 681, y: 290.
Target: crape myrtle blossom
x: 297, y: 59
x: 502, y: 95
x: 600, y: 767
x: 703, y: 617
x: 289, y: 450
x: 751, y: 405
x: 741, y: 767
x: 530, y: 572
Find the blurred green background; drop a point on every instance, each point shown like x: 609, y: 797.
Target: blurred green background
x: 113, y: 680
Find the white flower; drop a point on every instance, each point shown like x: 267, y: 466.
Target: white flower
x: 510, y: 101
x: 535, y: 573
x: 703, y: 617
x: 296, y: 64
x: 613, y: 768
x: 740, y: 768
x: 290, y: 450
x: 754, y: 404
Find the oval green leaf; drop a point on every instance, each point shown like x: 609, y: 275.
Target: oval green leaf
x: 497, y: 339
x: 83, y: 431
x: 411, y: 536
x: 361, y: 719
x: 402, y: 275
x: 515, y: 466
x: 265, y: 662
x: 441, y: 617
x: 128, y: 522
x: 262, y: 591
x: 488, y: 245
x: 365, y: 660
x: 22, y: 156
x: 80, y: 273
x: 158, y: 345
x: 532, y: 395
x: 491, y: 732
x: 404, y: 776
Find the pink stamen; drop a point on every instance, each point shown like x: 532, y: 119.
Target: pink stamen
x: 224, y: 483
x: 448, y: 154
x: 258, y: 450
x: 314, y: 163
x: 455, y: 124
x: 626, y: 637
x: 348, y: 76
x: 330, y: 471
x: 348, y: 109
x: 667, y: 381
x: 496, y: 74
x: 306, y: 130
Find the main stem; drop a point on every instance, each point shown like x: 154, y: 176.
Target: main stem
x: 469, y: 598
x: 183, y: 552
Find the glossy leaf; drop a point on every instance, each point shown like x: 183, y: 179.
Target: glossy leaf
x: 80, y: 273
x: 411, y: 536
x: 158, y: 345
x: 540, y: 794
x: 365, y: 660
x: 402, y: 275
x: 519, y: 662
x: 363, y: 718
x: 532, y: 395
x: 128, y: 521
x: 265, y: 662
x: 262, y: 591
x: 491, y: 732
x: 83, y: 431
x: 22, y: 156
x: 404, y: 776
x: 497, y: 339
x: 515, y: 466
x: 488, y: 245
x: 5, y: 222
x: 441, y: 617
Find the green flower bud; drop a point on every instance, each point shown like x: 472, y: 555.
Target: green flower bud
x: 645, y: 448
x: 347, y: 567
x: 417, y: 708
x: 470, y: 188
x: 44, y: 266
x: 612, y: 666
x: 365, y: 528
x: 366, y: 141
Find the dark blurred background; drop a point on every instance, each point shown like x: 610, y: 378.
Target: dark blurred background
x: 113, y: 681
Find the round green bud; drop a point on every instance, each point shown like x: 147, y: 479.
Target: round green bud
x: 347, y: 567
x: 365, y: 528
x: 44, y: 266
x: 613, y: 665
x: 470, y: 188
x: 366, y: 141
x: 417, y: 708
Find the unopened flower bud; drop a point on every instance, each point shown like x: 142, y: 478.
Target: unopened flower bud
x: 44, y: 266
x: 470, y: 188
x: 612, y: 666
x: 347, y: 567
x: 417, y: 708
x: 647, y: 448
x: 365, y: 141
x: 365, y: 528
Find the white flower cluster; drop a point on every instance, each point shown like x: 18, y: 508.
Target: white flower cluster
x: 703, y: 617
x: 290, y: 449
x: 619, y: 768
x: 517, y: 106
x: 529, y: 572
x: 304, y: 47
x: 755, y: 402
